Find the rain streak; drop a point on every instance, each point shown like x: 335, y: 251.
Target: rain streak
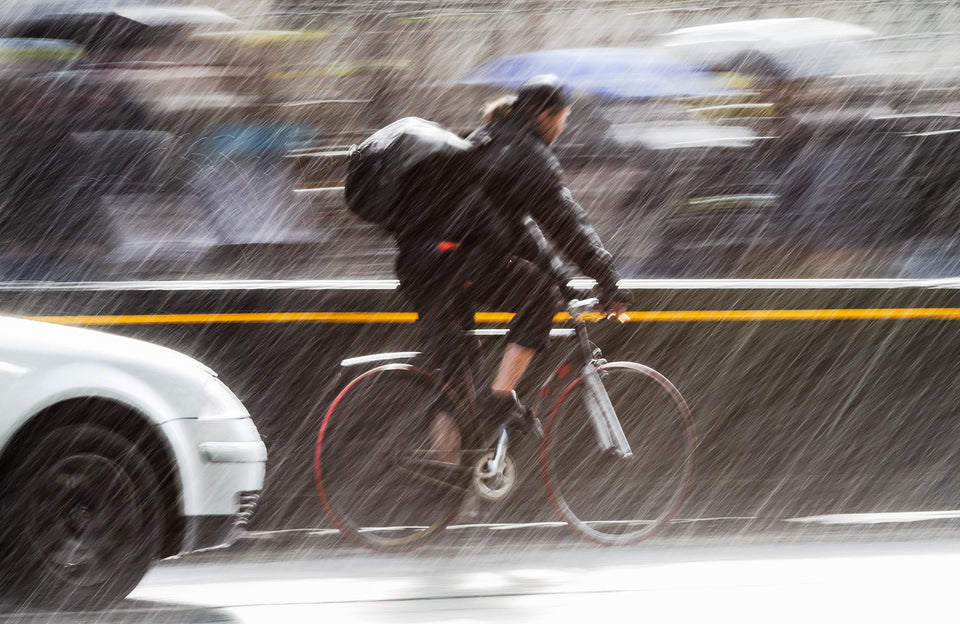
x: 478, y: 309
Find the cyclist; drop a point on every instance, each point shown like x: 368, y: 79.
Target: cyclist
x: 486, y: 250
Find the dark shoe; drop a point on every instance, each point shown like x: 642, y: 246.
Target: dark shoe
x: 503, y: 410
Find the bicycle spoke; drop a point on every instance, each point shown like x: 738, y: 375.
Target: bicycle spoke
x: 376, y: 463
x: 606, y: 496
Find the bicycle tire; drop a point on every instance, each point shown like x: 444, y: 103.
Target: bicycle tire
x: 377, y: 476
x: 609, y: 499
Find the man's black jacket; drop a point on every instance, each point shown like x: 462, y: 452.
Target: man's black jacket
x: 488, y: 200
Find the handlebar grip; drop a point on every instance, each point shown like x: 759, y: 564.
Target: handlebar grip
x: 623, y: 317
x: 579, y: 306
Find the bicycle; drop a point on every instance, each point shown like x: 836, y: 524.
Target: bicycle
x: 399, y: 448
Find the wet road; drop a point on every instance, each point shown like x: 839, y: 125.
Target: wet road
x: 906, y: 576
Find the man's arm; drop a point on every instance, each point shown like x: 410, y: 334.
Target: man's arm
x: 538, y: 250
x: 539, y: 191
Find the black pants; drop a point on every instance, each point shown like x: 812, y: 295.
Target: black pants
x: 446, y: 288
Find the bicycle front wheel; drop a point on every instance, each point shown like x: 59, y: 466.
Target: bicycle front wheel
x: 606, y: 497
x: 387, y: 461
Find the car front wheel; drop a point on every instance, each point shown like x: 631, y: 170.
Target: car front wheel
x: 88, y: 521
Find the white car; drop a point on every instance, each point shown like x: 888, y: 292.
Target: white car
x: 113, y: 453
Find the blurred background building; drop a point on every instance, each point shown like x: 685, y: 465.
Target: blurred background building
x: 214, y: 134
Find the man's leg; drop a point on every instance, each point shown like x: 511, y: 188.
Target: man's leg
x: 514, y: 364
x: 444, y: 439
x: 439, y: 336
x: 532, y: 294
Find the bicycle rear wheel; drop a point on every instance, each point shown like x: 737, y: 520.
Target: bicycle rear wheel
x: 611, y: 499
x: 387, y: 458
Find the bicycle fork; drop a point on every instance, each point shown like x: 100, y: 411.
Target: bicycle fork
x: 603, y: 416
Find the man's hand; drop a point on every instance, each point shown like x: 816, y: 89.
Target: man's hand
x: 614, y: 303
x: 617, y: 312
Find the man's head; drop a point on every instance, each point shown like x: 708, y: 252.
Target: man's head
x: 543, y: 101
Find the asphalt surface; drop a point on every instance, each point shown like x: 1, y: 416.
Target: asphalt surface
x: 855, y: 570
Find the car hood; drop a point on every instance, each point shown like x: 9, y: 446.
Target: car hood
x: 62, y: 343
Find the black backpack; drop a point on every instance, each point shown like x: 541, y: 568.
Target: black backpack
x: 410, y: 155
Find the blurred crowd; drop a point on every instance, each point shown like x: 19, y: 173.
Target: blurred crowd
x: 148, y: 141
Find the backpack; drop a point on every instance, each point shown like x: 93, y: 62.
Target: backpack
x: 410, y: 153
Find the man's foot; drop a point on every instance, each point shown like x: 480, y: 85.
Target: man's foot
x: 503, y: 410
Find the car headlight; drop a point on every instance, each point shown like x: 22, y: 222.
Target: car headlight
x: 220, y: 403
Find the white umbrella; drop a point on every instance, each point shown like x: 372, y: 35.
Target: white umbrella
x: 791, y: 48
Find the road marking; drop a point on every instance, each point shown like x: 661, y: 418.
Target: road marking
x: 828, y: 519
x: 878, y: 518
x: 255, y: 317
x: 635, y: 316
x: 319, y: 189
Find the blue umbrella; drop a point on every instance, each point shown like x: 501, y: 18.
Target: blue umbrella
x: 608, y: 72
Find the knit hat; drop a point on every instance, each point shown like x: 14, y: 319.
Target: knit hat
x: 538, y: 94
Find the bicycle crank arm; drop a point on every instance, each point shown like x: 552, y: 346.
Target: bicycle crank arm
x: 452, y: 477
x: 495, y: 467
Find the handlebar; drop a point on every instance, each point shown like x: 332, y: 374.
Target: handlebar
x: 576, y: 307
x: 581, y: 306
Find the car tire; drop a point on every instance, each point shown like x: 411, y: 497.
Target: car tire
x: 86, y: 517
